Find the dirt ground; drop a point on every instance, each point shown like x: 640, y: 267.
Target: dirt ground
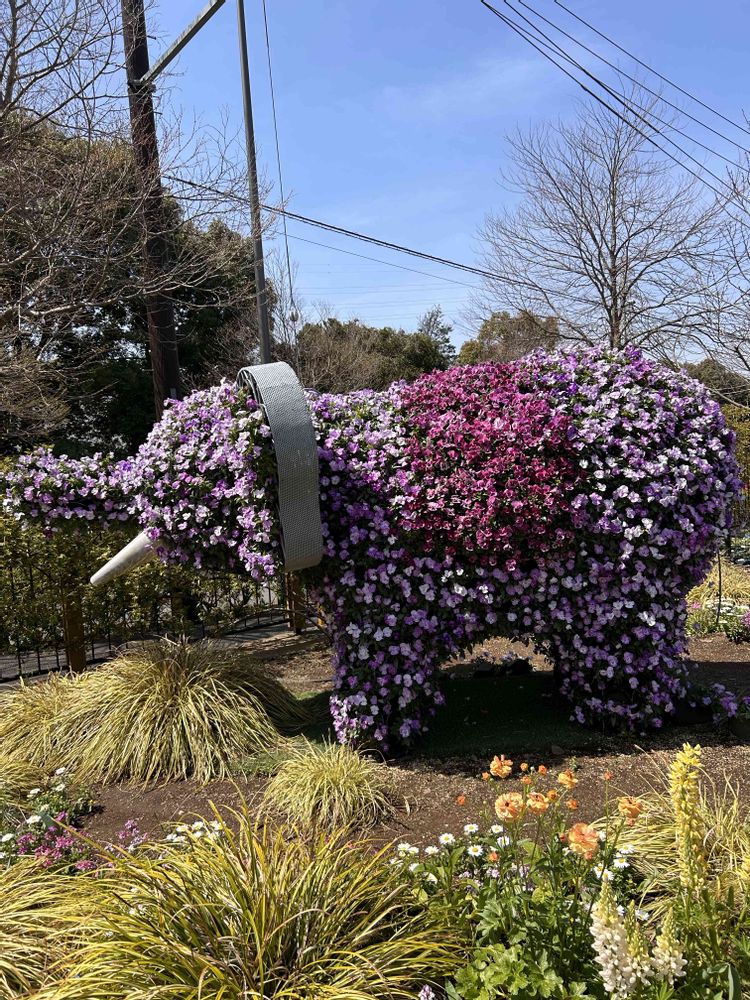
x: 440, y: 792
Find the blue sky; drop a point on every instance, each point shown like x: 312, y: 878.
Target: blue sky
x: 392, y: 117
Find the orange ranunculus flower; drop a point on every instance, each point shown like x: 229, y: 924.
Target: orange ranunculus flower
x: 571, y: 803
x: 567, y: 779
x: 629, y: 807
x: 537, y: 802
x: 509, y: 806
x: 501, y: 766
x: 524, y: 766
x: 553, y: 795
x: 526, y: 779
x: 485, y: 775
x: 542, y: 769
x: 583, y: 839
x: 608, y: 776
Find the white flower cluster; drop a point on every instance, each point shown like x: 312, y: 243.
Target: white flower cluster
x: 196, y: 831
x: 622, y: 950
x: 668, y: 961
x: 619, y: 973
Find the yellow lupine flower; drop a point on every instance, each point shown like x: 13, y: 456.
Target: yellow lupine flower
x: 684, y: 792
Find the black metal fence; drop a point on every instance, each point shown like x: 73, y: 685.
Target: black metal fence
x: 50, y: 619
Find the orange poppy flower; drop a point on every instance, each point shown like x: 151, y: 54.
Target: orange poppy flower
x: 583, y: 839
x: 571, y: 804
x: 509, y: 806
x: 567, y: 779
x: 501, y: 766
x: 460, y: 800
x: 537, y: 802
x: 629, y: 807
x: 542, y: 769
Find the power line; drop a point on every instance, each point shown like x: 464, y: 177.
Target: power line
x: 531, y: 40
x: 645, y: 65
x: 278, y: 154
x: 640, y: 83
x: 353, y: 234
x: 617, y: 95
x: 379, y: 260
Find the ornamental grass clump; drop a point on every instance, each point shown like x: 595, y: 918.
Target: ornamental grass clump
x: 34, y: 928
x: 330, y: 788
x: 161, y: 711
x: 251, y: 913
x: 17, y: 778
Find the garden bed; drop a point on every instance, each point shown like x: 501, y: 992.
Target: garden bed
x: 484, y: 715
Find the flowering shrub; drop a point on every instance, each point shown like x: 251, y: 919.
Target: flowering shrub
x: 572, y: 499
x: 45, y: 828
x: 561, y: 909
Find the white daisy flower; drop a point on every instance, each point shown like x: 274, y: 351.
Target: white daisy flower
x: 33, y: 793
x: 471, y: 828
x: 446, y: 839
x: 496, y: 828
x: 432, y: 850
x: 475, y: 851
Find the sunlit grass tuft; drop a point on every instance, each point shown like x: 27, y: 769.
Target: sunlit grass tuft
x: 161, y: 711
x: 35, y: 931
x: 258, y: 914
x: 330, y: 787
x: 17, y: 778
x: 735, y: 585
x: 721, y: 821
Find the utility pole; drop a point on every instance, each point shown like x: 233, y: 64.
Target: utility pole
x: 264, y: 332
x: 159, y: 308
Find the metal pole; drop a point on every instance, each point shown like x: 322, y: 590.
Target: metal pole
x: 252, y: 175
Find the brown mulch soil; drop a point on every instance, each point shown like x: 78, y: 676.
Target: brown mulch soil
x: 441, y: 795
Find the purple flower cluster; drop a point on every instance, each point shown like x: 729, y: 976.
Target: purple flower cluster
x: 63, y: 493
x: 203, y: 483
x: 420, y: 486
x: 648, y: 512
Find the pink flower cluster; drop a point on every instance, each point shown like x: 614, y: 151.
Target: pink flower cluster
x: 489, y: 464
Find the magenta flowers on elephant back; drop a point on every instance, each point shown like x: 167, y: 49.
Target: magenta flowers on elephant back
x: 573, y: 499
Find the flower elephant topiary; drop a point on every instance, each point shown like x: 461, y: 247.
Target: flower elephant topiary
x: 571, y: 499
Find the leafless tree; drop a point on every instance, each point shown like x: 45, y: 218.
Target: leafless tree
x: 607, y: 237
x: 70, y: 206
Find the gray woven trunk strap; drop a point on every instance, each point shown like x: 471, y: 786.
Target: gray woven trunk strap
x: 277, y: 388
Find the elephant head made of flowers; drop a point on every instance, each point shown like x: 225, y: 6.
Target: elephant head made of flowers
x: 569, y: 499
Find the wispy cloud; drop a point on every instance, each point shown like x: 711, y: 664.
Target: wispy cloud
x: 489, y: 87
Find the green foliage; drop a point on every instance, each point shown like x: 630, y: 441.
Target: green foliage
x: 251, y: 914
x: 38, y: 571
x: 330, y: 788
x: 161, y: 711
x: 341, y: 356
x: 503, y: 337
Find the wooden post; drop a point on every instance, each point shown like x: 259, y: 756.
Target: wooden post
x: 295, y: 602
x: 73, y: 631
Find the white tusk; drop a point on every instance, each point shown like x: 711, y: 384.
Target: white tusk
x: 138, y: 551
